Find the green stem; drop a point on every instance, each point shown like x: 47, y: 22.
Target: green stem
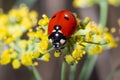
x: 103, y: 13
x: 13, y: 45
x: 63, y: 72
x: 35, y: 73
x: 88, y: 67
x: 72, y: 72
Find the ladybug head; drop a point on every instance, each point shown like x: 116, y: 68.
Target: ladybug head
x: 56, y: 37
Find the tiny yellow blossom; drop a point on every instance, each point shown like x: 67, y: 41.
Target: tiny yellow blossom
x: 77, y: 54
x: 15, y: 32
x: 14, y: 55
x: 39, y: 33
x: 42, y: 46
x: 5, y: 58
x: 31, y: 35
x: 46, y: 57
x: 8, y: 40
x: 35, y: 63
x: 3, y: 33
x: 89, y: 37
x: 113, y: 30
x: 33, y: 15
x: 94, y: 49
x: 26, y: 23
x: 69, y: 59
x: 44, y: 21
x: 4, y: 19
x: 16, y: 64
x: 57, y: 53
x: 26, y: 59
x: 34, y: 54
x: 23, y: 44
x: 111, y: 40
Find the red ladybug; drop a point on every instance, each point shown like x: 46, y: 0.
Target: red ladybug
x: 61, y: 26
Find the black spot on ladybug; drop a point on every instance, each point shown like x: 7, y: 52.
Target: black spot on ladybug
x: 73, y: 27
x: 66, y: 17
x: 54, y: 16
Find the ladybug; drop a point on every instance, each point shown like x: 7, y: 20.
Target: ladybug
x: 61, y: 26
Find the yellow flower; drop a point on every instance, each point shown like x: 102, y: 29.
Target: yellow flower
x: 34, y: 54
x: 16, y: 64
x: 19, y: 13
x: 3, y: 33
x: 111, y: 41
x: 44, y: 21
x: 9, y: 40
x: 14, y: 55
x: 31, y: 35
x: 26, y: 23
x: 39, y: 33
x: 26, y: 59
x: 5, y: 58
x: 77, y: 54
x: 113, y: 30
x: 42, y: 46
x: 33, y: 16
x: 4, y: 20
x: 35, y: 63
x: 15, y: 32
x: 93, y: 28
x: 57, y: 53
x: 46, y: 57
x: 88, y: 37
x: 44, y: 38
x: 94, y: 49
x: 23, y: 44
x: 69, y: 59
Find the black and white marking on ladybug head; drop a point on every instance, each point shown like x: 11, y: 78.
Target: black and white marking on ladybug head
x: 57, y: 27
x: 57, y: 38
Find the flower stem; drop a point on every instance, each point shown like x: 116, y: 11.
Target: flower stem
x: 88, y: 67
x: 35, y: 73
x: 72, y: 72
x: 103, y: 13
x: 63, y: 72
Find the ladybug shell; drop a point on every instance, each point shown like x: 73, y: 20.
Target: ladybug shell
x: 66, y: 20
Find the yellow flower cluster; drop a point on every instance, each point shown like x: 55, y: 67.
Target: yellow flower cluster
x: 14, y: 24
x: 90, y: 39
x: 89, y: 3
x: 17, y: 50
x: 19, y: 43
